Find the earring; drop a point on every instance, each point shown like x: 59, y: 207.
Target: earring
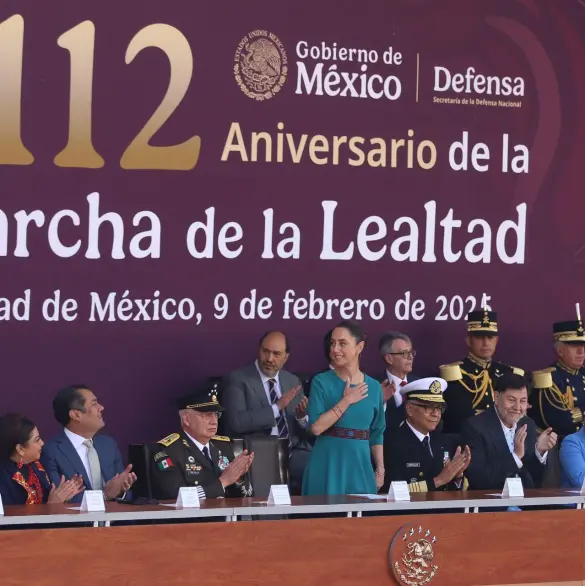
x: 20, y: 463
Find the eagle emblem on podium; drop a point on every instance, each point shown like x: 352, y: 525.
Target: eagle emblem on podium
x: 412, y: 556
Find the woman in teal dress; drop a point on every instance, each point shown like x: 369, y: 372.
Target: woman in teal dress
x: 346, y: 414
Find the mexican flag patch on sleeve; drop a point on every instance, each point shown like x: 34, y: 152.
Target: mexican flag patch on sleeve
x: 164, y: 464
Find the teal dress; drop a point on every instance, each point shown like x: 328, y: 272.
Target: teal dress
x: 338, y: 465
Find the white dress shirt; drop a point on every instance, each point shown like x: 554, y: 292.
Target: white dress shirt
x: 199, y: 444
x: 397, y: 395
x: 304, y: 422
x: 510, y: 434
x: 81, y: 450
x: 420, y: 436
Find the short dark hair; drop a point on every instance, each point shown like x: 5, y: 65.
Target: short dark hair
x: 66, y: 399
x: 510, y: 381
x: 327, y: 346
x: 15, y: 429
x: 354, y: 328
x: 286, y: 341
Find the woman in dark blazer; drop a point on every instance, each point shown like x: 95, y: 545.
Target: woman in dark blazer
x: 23, y: 481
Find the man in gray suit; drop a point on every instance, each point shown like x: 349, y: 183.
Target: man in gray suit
x: 398, y: 356
x: 262, y: 398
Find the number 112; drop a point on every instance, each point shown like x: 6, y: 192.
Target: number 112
x: 79, y: 150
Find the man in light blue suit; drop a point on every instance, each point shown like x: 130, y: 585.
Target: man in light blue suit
x: 80, y: 450
x: 572, y: 456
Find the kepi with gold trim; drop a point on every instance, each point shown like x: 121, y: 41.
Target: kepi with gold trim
x: 482, y: 323
x: 204, y: 400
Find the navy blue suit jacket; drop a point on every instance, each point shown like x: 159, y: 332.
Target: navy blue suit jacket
x: 59, y: 458
x: 395, y: 415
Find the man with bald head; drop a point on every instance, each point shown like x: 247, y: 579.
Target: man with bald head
x: 263, y: 398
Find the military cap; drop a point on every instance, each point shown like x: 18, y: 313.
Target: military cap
x: 201, y: 400
x: 482, y: 323
x: 428, y: 390
x: 569, y: 332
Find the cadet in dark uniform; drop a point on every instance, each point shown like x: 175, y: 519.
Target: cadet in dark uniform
x: 558, y: 395
x: 415, y: 452
x: 198, y: 457
x: 471, y: 382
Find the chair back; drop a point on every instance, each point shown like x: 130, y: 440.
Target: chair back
x: 139, y: 455
x: 270, y: 466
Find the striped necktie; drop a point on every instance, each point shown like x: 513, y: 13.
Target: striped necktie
x: 281, y: 422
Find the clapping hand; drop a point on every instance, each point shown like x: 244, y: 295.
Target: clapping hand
x: 546, y: 441
x: 66, y: 490
x: 237, y: 468
x: 301, y: 409
x: 287, y: 397
x: 519, y: 440
x: 388, y: 390
x: 454, y: 468
x: 120, y: 483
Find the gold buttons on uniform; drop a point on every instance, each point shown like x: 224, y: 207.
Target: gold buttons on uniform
x: 196, y: 482
x: 421, y: 474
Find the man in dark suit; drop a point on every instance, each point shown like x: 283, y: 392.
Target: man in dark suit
x: 198, y: 457
x: 504, y: 442
x: 79, y: 450
x: 398, y: 356
x: 263, y: 398
x: 414, y: 451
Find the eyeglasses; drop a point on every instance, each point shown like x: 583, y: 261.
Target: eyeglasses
x: 430, y: 409
x: 405, y: 354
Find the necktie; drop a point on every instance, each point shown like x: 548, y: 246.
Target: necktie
x: 281, y: 423
x: 427, y: 444
x: 95, y: 471
x: 207, y: 455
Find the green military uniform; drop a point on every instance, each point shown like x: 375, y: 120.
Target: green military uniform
x: 471, y: 382
x: 558, y: 396
x: 178, y: 461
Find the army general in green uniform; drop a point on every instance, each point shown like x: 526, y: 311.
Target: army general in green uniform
x: 471, y: 382
x: 198, y: 457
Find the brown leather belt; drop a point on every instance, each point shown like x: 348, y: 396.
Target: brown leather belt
x: 347, y: 433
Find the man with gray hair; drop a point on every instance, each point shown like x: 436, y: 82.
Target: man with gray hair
x: 398, y: 356
x: 558, y: 394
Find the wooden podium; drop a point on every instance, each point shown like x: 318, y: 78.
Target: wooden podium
x: 537, y: 547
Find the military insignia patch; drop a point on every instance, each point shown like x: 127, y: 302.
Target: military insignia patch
x: 170, y: 439
x: 222, y: 462
x: 160, y: 455
x: 435, y: 387
x: 164, y: 464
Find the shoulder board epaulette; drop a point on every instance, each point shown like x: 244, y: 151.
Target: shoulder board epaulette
x: 170, y: 439
x: 542, y: 379
x: 451, y: 372
x: 221, y: 438
x: 514, y: 369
